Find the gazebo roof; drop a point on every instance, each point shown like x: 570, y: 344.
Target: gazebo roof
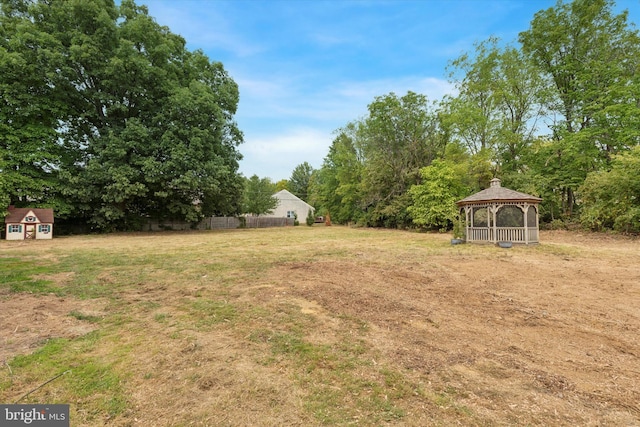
x: 497, y: 193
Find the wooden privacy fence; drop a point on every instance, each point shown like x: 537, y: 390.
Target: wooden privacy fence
x: 221, y: 222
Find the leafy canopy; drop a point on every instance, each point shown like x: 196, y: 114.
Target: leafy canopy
x: 433, y: 200
x: 612, y: 199
x: 258, y: 196
x: 107, y: 111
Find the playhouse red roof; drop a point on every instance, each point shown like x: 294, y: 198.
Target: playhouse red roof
x: 16, y: 215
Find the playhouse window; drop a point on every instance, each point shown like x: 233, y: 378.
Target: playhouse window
x: 15, y: 228
x: 44, y: 228
x: 30, y: 219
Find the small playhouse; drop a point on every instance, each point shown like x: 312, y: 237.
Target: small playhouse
x: 29, y: 223
x: 498, y: 214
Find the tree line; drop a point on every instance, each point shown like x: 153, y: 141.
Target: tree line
x: 107, y: 117
x: 555, y: 114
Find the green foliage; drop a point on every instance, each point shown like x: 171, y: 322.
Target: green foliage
x: 30, y: 107
x: 373, y: 162
x: 283, y: 184
x: 336, y: 188
x: 107, y: 117
x: 258, y: 196
x: 433, y: 200
x: 575, y: 71
x: 612, y: 199
x: 458, y: 228
x: 479, y: 169
x: 497, y: 104
x: 298, y: 184
x: 399, y: 136
x: 110, y: 119
x: 311, y: 219
x: 589, y: 57
x: 472, y: 114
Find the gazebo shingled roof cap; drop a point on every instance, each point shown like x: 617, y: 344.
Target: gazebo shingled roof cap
x: 498, y: 214
x: 497, y: 193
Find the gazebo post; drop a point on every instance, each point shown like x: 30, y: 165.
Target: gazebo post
x: 494, y: 211
x: 526, y: 224
x: 468, y: 213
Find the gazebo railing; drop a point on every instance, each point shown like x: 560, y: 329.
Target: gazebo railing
x: 503, y: 234
x: 510, y: 234
x: 479, y: 233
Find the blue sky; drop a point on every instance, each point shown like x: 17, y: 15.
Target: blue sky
x: 305, y: 68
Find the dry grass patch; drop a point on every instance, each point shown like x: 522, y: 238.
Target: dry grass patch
x: 324, y: 326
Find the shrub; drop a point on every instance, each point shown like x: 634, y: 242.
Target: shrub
x: 611, y: 200
x: 310, y: 218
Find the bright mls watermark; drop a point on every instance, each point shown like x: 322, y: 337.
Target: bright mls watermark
x: 34, y: 415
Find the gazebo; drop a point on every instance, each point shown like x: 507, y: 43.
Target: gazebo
x: 498, y: 214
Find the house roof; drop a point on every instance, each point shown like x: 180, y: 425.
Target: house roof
x: 16, y: 215
x: 285, y: 195
x: 497, y: 193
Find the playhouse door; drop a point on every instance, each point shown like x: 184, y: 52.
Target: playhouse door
x: 30, y: 231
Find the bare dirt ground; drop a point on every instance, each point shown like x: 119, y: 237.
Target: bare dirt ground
x: 29, y: 320
x: 524, y: 336
x: 521, y: 337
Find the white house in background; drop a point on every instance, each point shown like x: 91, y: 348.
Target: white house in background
x: 29, y: 223
x: 290, y: 206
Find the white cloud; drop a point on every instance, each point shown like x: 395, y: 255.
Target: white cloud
x: 344, y: 101
x: 202, y: 27
x: 285, y: 125
x: 253, y: 88
x: 275, y: 155
x: 433, y: 88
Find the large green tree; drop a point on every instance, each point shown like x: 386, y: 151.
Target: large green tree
x: 472, y: 115
x: 498, y: 106
x: 258, y: 196
x: 589, y: 57
x: 337, y: 185
x: 433, y: 200
x: 31, y: 107
x: 298, y: 183
x: 136, y: 125
x: 400, y: 136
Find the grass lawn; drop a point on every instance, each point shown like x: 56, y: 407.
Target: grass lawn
x: 322, y: 326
